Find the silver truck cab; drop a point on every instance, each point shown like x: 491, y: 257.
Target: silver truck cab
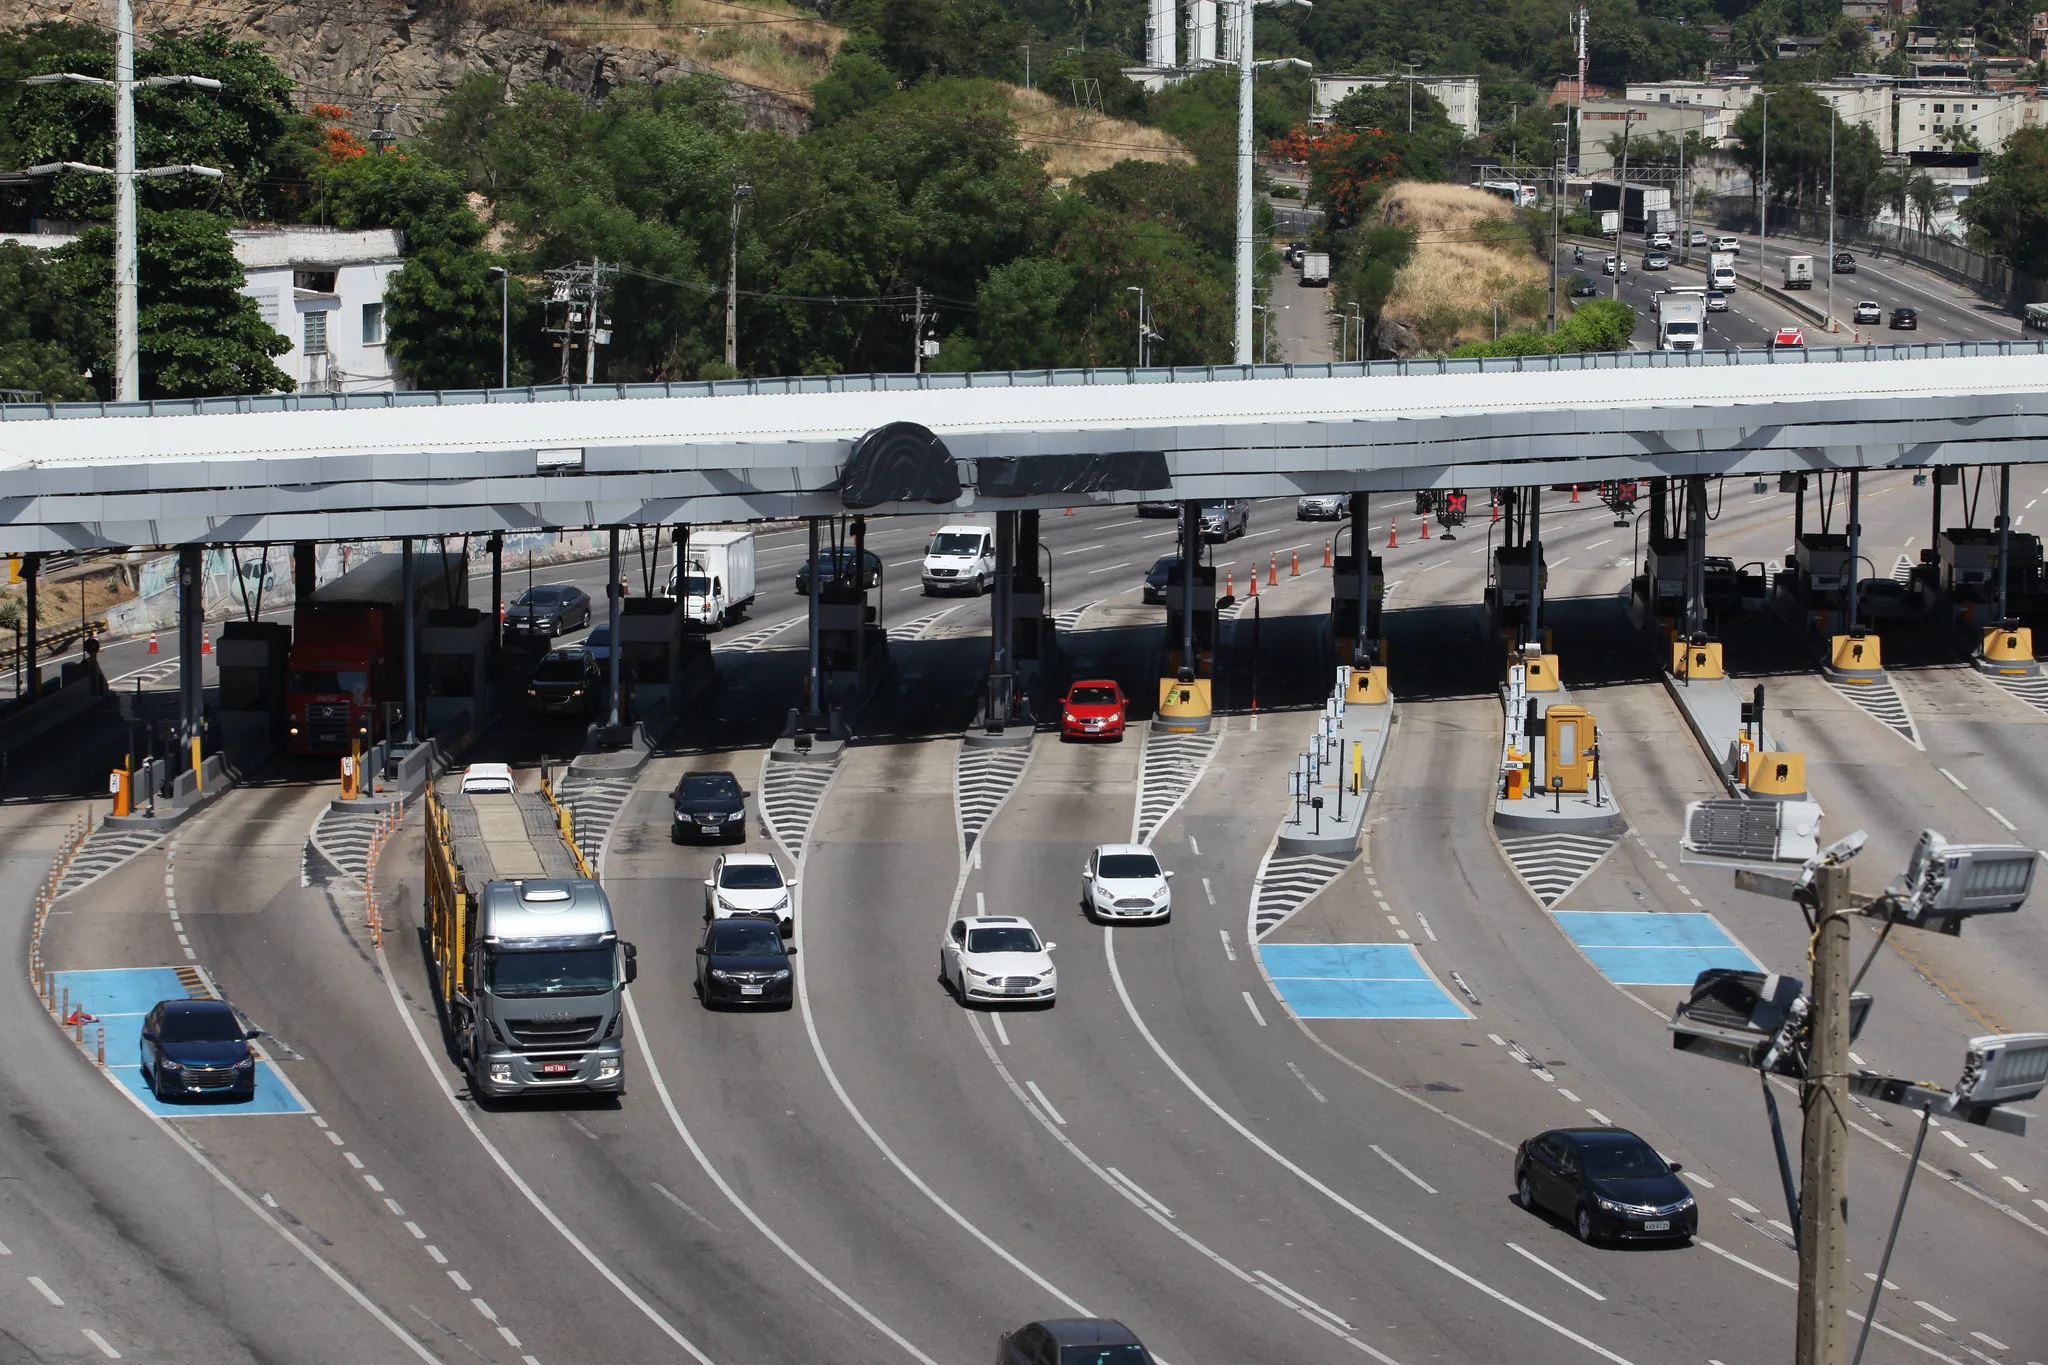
x: 550, y: 977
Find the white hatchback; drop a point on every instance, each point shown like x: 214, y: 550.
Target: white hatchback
x: 995, y: 958
x: 1125, y: 881
x: 488, y: 779
x: 749, y: 886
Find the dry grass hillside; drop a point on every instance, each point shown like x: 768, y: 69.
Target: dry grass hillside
x: 762, y: 43
x: 1078, y: 142
x: 1469, y: 253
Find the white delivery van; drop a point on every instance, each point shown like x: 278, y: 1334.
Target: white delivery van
x: 1799, y: 272
x: 715, y: 582
x: 960, y: 558
x: 1315, y: 269
x: 1721, y: 270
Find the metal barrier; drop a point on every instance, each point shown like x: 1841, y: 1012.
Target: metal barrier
x: 46, y: 897
x: 446, y: 900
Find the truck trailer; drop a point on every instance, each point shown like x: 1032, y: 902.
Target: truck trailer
x: 1799, y: 272
x: 347, y: 662
x: 715, y: 581
x: 528, y: 962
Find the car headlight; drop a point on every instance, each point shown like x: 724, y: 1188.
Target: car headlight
x: 1610, y: 1205
x: 782, y: 975
x: 607, y: 1068
x: 501, y: 1072
x: 167, y: 1064
x: 577, y: 693
x: 720, y: 974
x: 1069, y: 717
x: 245, y: 1064
x: 1686, y: 1203
x: 980, y: 976
x: 532, y: 691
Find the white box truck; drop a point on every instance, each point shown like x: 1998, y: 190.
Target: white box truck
x: 1681, y: 321
x: 715, y: 582
x: 1315, y: 269
x: 1721, y: 270
x: 1799, y: 272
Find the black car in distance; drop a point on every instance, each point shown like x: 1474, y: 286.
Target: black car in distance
x: 565, y: 681
x: 1072, y: 1341
x: 1607, y: 1183
x: 709, y: 806
x: 744, y: 962
x: 197, y: 1049
x: 839, y: 564
x: 1156, y: 577
x: 549, y: 610
x: 1905, y: 319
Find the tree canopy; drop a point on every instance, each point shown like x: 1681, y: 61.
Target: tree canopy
x: 2008, y: 213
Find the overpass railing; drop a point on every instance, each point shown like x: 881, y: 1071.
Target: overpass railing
x: 1005, y: 379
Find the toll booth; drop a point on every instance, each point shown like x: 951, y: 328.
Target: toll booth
x: 1967, y: 569
x: 1508, y: 585
x: 662, y: 662
x: 847, y: 634
x: 1027, y: 617
x: 1202, y: 602
x: 1820, y: 569
x: 1344, y: 600
x: 253, y: 657
x: 1660, y: 589
x: 1569, y: 736
x: 454, y: 669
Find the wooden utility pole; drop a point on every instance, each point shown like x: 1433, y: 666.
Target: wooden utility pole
x: 1823, y: 1337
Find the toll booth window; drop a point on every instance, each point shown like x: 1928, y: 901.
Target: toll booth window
x: 452, y: 676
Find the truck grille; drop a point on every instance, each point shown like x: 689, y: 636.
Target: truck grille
x: 327, y: 713
x: 552, y: 1033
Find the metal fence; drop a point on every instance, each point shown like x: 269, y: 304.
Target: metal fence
x: 1988, y: 276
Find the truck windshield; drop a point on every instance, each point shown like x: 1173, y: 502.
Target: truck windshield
x: 352, y: 681
x: 696, y: 585
x: 558, y: 971
x: 1682, y: 329
x: 956, y: 544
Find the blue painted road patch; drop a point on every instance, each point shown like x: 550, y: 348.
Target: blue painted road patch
x: 1356, y: 981
x: 1653, y: 950
x: 119, y: 998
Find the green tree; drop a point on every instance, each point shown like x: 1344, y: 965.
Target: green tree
x: 1798, y: 171
x: 857, y: 81
x: 1422, y: 134
x: 918, y: 38
x: 2008, y: 213
x: 199, y: 335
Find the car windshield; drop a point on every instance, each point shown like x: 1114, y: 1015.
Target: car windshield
x: 352, y: 681
x: 1129, y: 866
x: 1093, y: 696
x: 542, y: 597
x: 600, y: 636
x: 745, y: 938
x: 557, y: 971
x: 957, y: 543
x: 559, y: 671
x: 1009, y: 940
x: 1623, y: 1161
x: 1682, y: 329
x: 710, y: 786
x: 696, y: 585
x: 751, y: 876
x: 1216, y: 508
x: 1128, y: 1353
x: 1165, y: 565
x: 199, y: 1026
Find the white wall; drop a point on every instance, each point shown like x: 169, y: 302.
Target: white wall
x: 353, y: 363
x: 1993, y: 117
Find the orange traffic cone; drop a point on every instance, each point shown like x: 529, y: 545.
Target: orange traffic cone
x: 1230, y: 582
x: 1496, y: 510
x: 1575, y: 492
x: 1425, y: 528
x: 1273, y: 570
x: 1393, y: 533
x: 1070, y: 511
x: 206, y: 642
x: 1326, y: 554
x: 1255, y: 582
x: 152, y: 642
x: 1295, y: 572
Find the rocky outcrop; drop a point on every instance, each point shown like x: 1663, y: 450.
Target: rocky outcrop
x: 360, y: 52
x: 1394, y: 339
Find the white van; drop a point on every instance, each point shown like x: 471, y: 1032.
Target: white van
x: 960, y: 558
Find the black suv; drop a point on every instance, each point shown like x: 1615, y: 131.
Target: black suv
x: 566, y: 680
x: 709, y: 806
x: 551, y: 610
x: 1072, y: 1341
x: 743, y: 962
x: 1905, y: 320
x: 197, y: 1049
x: 1845, y: 263
x: 1607, y: 1181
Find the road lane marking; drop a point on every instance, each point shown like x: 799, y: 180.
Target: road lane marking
x: 1304, y: 1299
x: 45, y: 1290
x: 440, y: 1257
x: 1953, y: 1138
x: 1984, y: 1161
x: 2001, y: 820
x: 1532, y: 1257
x: 1993, y: 1342
x: 455, y: 1278
x: 1424, y: 922
x: 1107, y: 567
x: 1381, y: 1152
x: 1135, y: 1187
x: 1569, y: 1096
x: 2015, y: 1184
x: 1300, y: 1076
x: 107, y: 1349
x: 1927, y: 1307
x: 1044, y: 1103
x: 1253, y: 1006
x: 666, y: 1193
x: 1195, y: 847
x: 1208, y: 891
x: 1602, y: 1118
x: 1228, y: 951
x: 1001, y: 1032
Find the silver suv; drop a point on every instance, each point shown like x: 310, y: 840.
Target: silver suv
x: 1322, y: 507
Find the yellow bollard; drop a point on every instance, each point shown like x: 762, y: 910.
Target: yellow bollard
x: 198, y: 768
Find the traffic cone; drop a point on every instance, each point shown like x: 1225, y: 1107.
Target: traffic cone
x: 1254, y: 592
x: 1070, y: 511
x: 1296, y: 571
x: 1425, y: 528
x: 152, y: 642
x: 1230, y: 582
x: 1393, y: 533
x: 206, y: 642
x: 1326, y: 554
x: 1496, y: 510
x: 1575, y: 492
x: 1273, y: 570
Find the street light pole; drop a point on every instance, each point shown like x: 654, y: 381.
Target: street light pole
x: 1833, y: 117
x: 1763, y: 194
x: 1823, y: 1321
x: 732, y: 279
x: 1247, y: 258
x: 1140, y: 292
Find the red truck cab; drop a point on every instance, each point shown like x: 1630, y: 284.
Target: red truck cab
x: 338, y: 679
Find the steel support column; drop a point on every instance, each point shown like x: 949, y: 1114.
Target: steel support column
x: 1361, y: 555
x: 191, y: 621
x: 1001, y: 657
x: 1190, y: 560
x: 614, y: 592
x: 1695, y: 555
x: 305, y: 570
x: 1855, y: 541
x: 409, y: 578
x: 1660, y: 514
x: 814, y: 680
x: 31, y: 580
x: 2004, y: 536
x: 496, y: 544
x: 1536, y: 566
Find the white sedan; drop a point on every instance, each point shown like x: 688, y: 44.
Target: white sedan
x: 749, y: 886
x: 1125, y: 881
x: 997, y: 958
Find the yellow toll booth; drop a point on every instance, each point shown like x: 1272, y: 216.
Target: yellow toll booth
x: 1568, y: 737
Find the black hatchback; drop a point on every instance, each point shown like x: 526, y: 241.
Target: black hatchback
x: 709, y: 806
x: 1072, y: 1341
x: 1607, y: 1182
x: 1905, y: 320
x: 744, y: 962
x: 197, y: 1049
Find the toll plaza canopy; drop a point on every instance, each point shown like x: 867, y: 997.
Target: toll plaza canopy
x: 374, y: 466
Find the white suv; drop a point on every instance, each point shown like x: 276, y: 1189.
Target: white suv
x: 1125, y: 881
x: 997, y: 958
x: 749, y: 886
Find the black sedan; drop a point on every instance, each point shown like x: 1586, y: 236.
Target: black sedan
x: 1845, y: 263
x: 1155, y: 578
x: 839, y: 566
x: 743, y: 962
x: 709, y: 806
x: 1607, y: 1182
x: 197, y: 1049
x: 1072, y: 1341
x: 550, y: 610
x: 565, y: 681
x: 1905, y: 319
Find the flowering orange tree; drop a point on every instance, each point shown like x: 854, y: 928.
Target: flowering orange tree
x: 1347, y: 168
x: 340, y: 144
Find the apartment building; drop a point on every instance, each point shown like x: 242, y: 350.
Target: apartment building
x: 323, y: 289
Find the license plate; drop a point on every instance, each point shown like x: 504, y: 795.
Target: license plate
x: 1657, y: 1225
x: 750, y: 990
x: 555, y: 1068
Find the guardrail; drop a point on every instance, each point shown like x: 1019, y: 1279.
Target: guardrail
x: 46, y: 896
x: 566, y: 818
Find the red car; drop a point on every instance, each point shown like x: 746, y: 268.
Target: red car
x: 1093, y: 710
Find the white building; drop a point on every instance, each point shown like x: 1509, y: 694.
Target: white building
x: 1731, y: 95
x: 1602, y: 119
x: 1459, y: 95
x: 1867, y: 104
x: 323, y: 289
x: 1929, y: 119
